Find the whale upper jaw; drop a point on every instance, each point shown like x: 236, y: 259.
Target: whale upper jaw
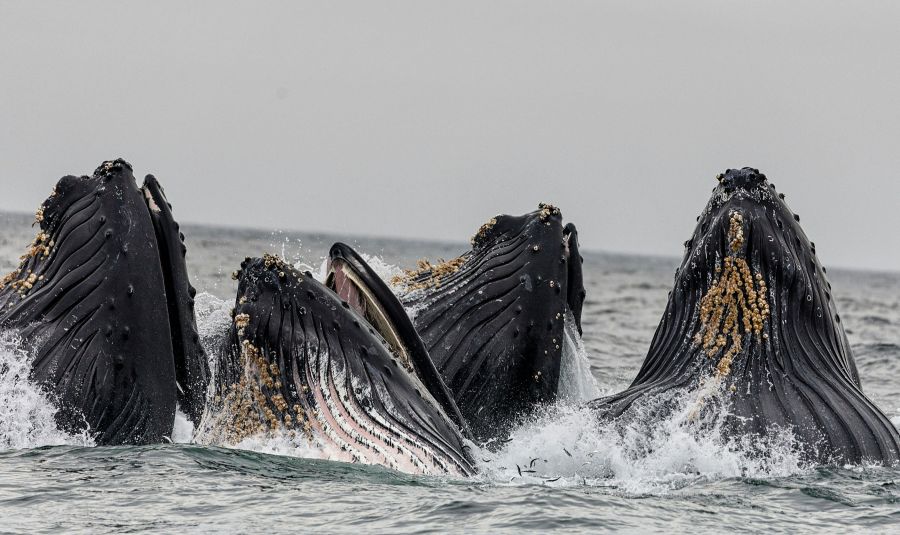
x: 107, y: 311
x: 493, y: 319
x: 751, y: 319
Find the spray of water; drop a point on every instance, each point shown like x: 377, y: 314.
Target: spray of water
x: 576, y: 382
x: 27, y: 417
x: 639, y: 453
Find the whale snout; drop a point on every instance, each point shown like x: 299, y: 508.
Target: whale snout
x: 746, y: 178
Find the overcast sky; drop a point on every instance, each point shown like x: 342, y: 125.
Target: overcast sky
x: 423, y: 118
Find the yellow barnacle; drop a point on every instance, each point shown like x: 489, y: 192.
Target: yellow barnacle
x: 736, y: 304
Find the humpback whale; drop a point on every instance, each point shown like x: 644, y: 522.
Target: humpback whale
x: 493, y: 319
x: 300, y: 360
x: 751, y: 324
x: 103, y: 301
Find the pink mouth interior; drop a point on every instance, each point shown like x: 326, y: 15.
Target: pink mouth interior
x: 346, y: 290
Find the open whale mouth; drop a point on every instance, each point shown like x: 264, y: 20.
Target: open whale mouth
x: 349, y: 280
x: 356, y: 283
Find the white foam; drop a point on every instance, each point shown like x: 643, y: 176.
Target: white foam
x: 383, y: 269
x: 282, y: 444
x: 213, y: 317
x: 638, y: 454
x: 896, y: 421
x: 27, y: 417
x: 213, y: 321
x: 183, y: 432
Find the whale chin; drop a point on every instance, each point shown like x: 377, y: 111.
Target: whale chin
x: 103, y: 301
x: 752, y: 322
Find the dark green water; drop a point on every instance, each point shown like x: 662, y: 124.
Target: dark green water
x: 562, y: 471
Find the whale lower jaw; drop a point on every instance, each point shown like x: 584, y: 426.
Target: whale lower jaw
x: 355, y: 434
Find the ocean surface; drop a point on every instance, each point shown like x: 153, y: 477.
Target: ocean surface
x: 561, y: 472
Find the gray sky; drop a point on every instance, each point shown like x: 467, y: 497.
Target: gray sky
x: 423, y: 119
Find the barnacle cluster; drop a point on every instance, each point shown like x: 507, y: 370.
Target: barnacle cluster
x: 483, y: 231
x: 39, y: 213
x: 736, y: 305
x: 428, y: 275
x: 241, y: 321
x: 547, y: 210
x: 23, y: 280
x: 40, y: 247
x: 256, y: 404
x: 271, y: 261
x: 20, y: 281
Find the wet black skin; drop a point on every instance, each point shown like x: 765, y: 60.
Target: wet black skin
x: 191, y: 364
x: 106, y: 316
x: 799, y: 373
x: 494, y: 326
x: 343, y: 258
x: 294, y: 320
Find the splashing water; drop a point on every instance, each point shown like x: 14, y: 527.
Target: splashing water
x: 183, y: 431
x: 27, y: 417
x: 569, y: 445
x: 576, y: 382
x: 682, y: 473
x: 385, y: 270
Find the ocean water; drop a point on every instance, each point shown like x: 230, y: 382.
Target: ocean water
x: 561, y: 471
